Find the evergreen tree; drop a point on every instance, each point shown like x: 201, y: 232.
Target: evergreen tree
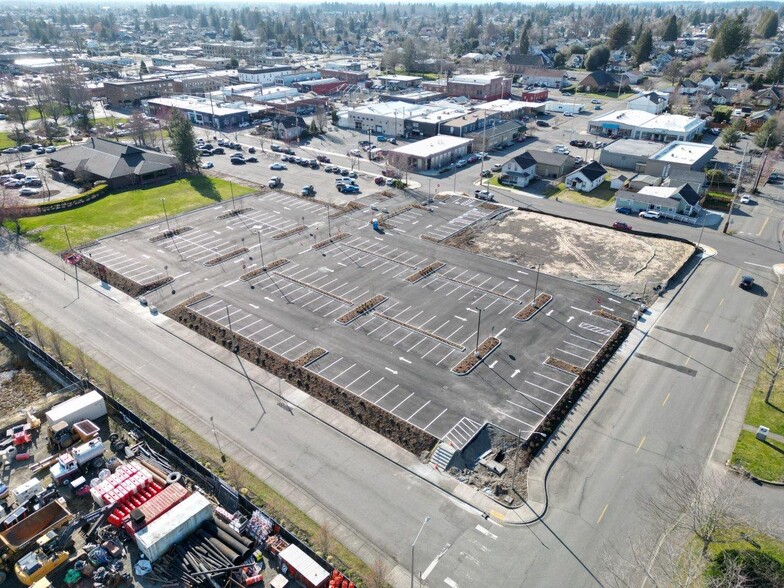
x: 143, y: 71
x: 236, y: 32
x: 597, y: 58
x: 768, y: 25
x: 643, y: 47
x: 776, y: 71
x: 768, y: 135
x: 620, y: 35
x: 670, y: 29
x: 525, y: 43
x: 732, y: 36
x: 183, y: 141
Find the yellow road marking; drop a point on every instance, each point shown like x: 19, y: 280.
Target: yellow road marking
x: 722, y: 302
x: 767, y: 218
x: 735, y: 279
x: 498, y: 515
x: 666, y: 398
x: 687, y: 361
x: 640, y: 445
x: 601, y: 516
x: 706, y: 327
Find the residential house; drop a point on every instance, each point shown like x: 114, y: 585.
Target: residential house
x: 551, y: 165
x: 118, y: 164
x: 601, y: 81
x: 738, y: 84
x: 688, y: 87
x: 682, y: 200
x: 619, y: 182
x: 287, y: 128
x: 521, y: 170
x: 516, y: 63
x: 769, y: 98
x: 653, y: 102
x: 586, y: 178
x: 548, y: 78
x: 724, y: 96
x: 710, y: 83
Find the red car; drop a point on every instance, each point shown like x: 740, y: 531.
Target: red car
x: 379, y: 180
x: 619, y: 226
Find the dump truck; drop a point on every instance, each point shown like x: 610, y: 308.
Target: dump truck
x: 20, y: 539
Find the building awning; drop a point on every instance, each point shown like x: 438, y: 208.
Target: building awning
x: 611, y: 126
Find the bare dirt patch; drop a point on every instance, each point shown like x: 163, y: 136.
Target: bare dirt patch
x: 599, y: 256
x: 226, y: 256
x: 530, y: 309
x: 473, y: 359
x: 21, y: 383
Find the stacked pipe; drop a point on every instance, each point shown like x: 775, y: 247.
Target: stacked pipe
x: 211, y: 552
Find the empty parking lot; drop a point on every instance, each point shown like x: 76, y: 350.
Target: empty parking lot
x: 399, y: 356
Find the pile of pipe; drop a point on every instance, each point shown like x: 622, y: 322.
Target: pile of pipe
x: 212, y: 553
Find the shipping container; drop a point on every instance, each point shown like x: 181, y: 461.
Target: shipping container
x: 179, y: 522
x: 302, y: 567
x: 155, y: 507
x: 89, y: 406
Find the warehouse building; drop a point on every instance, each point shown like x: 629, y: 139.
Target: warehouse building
x: 638, y: 124
x: 628, y: 154
x: 680, y: 155
x: 199, y: 111
x: 430, y: 154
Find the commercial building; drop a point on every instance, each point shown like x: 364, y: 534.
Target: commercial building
x: 511, y: 109
x: 547, y: 78
x: 474, y: 87
x: 200, y: 111
x: 497, y: 133
x: 637, y: 124
x: 433, y: 153
x: 118, y: 164
x: 628, y: 154
x: 323, y: 86
x: 345, y: 75
x: 250, y: 52
x: 395, y: 82
x: 679, y: 155
x: 128, y: 93
x: 383, y: 118
x: 263, y: 75
x: 202, y: 83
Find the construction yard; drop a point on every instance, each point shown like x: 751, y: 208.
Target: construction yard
x: 418, y: 341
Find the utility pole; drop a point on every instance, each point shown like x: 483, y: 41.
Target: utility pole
x: 414, y: 545
x: 737, y: 189
x: 762, y: 166
x: 329, y: 224
x: 536, y: 284
x: 76, y: 267
x: 478, y: 326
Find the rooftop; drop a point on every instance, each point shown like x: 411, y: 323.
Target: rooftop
x: 432, y: 146
x: 633, y: 118
x: 633, y: 147
x: 197, y: 105
x: 672, y: 122
x: 683, y: 152
x: 393, y: 108
x: 396, y: 78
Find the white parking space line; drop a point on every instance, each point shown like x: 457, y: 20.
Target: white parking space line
x: 417, y: 411
x: 399, y: 404
x: 373, y: 385
x: 543, y: 388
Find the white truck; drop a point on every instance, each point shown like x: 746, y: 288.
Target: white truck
x: 69, y: 465
x: 563, y: 107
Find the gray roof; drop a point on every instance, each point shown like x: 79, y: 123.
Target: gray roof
x: 109, y: 160
x: 633, y: 147
x: 547, y: 158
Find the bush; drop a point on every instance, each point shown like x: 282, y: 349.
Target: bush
x: 715, y: 175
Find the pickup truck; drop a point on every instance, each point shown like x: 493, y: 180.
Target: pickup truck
x: 275, y: 182
x: 484, y: 195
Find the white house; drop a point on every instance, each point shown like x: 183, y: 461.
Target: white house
x: 586, y: 178
x: 710, y: 83
x: 653, y: 102
x: 520, y: 170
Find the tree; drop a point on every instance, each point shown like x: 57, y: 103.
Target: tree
x: 776, y: 70
x: 670, y: 29
x: 525, y: 44
x: 620, y: 34
x: 597, y: 58
x: 236, y: 32
x: 673, y: 71
x: 143, y: 71
x: 142, y: 132
x: 559, y: 60
x: 409, y: 56
x: 732, y: 36
x: 768, y: 25
x: 730, y: 136
x: 722, y: 114
x: 643, y: 47
x: 768, y: 135
x: 183, y: 141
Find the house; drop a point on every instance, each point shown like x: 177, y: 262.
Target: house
x: 738, y: 85
x: 688, y: 87
x: 548, y: 78
x: 601, y: 81
x: 520, y: 170
x: 287, y: 128
x: 653, y: 102
x: 586, y: 178
x: 516, y: 63
x: 118, y: 164
x: 710, y: 83
x: 724, y: 96
x: 551, y: 165
x: 681, y: 200
x: 769, y: 98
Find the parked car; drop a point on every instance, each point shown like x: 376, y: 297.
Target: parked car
x: 597, y: 107
x: 486, y: 173
x: 620, y: 226
x: 29, y: 164
x: 28, y: 191
x: 568, y: 114
x: 746, y: 283
x: 308, y: 191
x: 624, y: 210
x: 207, y: 165
x: 251, y: 159
x: 277, y: 166
x: 596, y: 101
x: 238, y: 161
x: 348, y: 188
x: 323, y: 159
x: 251, y: 150
x: 379, y: 180
x: 497, y: 167
x: 462, y: 163
x: 542, y: 123
x: 218, y: 151
x: 484, y: 195
x: 40, y: 151
x: 275, y: 182
x: 745, y: 198
x: 650, y: 214
x: 390, y: 182
x: 352, y: 174
x: 473, y: 159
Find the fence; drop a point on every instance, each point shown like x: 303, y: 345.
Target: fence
x: 227, y: 496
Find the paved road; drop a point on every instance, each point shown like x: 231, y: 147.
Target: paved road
x: 665, y: 407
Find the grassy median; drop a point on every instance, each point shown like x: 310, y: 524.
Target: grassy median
x: 127, y: 209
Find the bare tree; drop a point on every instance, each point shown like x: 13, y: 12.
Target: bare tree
x: 80, y: 363
x: 321, y: 118
x: 18, y: 113
x: 324, y: 539
x: 765, y: 346
x: 39, y: 333
x: 377, y: 576
x: 9, y: 312
x: 58, y: 347
x: 142, y: 131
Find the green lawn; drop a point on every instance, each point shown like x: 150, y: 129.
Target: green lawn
x: 109, y: 121
x: 770, y: 415
x: 598, y: 198
x: 764, y: 460
x: 127, y: 209
x: 760, y: 556
x: 6, y: 142
x: 606, y: 95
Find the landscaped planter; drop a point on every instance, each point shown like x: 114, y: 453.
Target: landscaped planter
x: 169, y: 234
x: 260, y: 270
x: 564, y: 366
x: 226, y: 256
x: 425, y: 272
x: 361, y: 309
x: 289, y: 232
x: 313, y: 355
x: 116, y: 279
x: 529, y: 310
x: 234, y: 212
x: 473, y: 359
x: 332, y: 239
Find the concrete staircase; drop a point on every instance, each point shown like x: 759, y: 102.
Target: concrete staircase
x: 442, y: 456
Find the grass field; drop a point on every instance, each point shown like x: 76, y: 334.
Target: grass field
x: 127, y: 209
x: 760, y: 557
x: 6, y: 142
x: 597, y: 198
x: 605, y: 96
x: 764, y: 460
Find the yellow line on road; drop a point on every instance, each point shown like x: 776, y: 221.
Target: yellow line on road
x: 601, y: 516
x: 765, y: 224
x: 666, y: 398
x: 735, y: 279
x: 640, y: 445
x: 498, y: 515
x: 722, y: 302
x: 687, y: 360
x: 706, y: 327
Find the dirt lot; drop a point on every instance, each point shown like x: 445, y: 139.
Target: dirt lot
x: 21, y: 384
x: 610, y: 259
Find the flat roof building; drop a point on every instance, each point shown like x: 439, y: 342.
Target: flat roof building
x: 433, y: 153
x: 200, y: 111
x: 638, y: 124
x: 628, y: 154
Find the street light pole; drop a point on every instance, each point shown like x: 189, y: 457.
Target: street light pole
x: 165, y: 214
x: 414, y: 545
x: 536, y: 284
x: 329, y: 223
x: 215, y: 433
x: 261, y: 251
x: 478, y: 326
x: 76, y: 267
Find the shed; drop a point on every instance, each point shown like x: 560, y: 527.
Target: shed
x: 303, y: 568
